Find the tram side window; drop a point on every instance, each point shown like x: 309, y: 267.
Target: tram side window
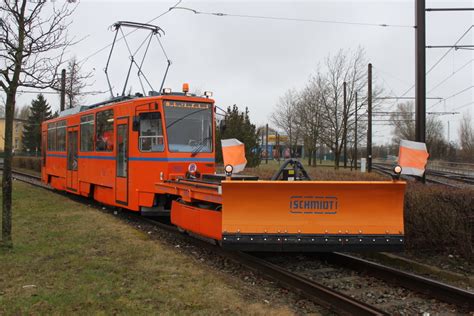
x: 52, y: 136
x: 151, y: 132
x: 61, y: 136
x: 104, y: 140
x: 87, y: 133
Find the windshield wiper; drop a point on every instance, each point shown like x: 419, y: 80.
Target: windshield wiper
x: 200, y: 146
x: 185, y: 116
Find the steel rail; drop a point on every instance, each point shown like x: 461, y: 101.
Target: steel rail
x: 438, y: 173
x: 388, y: 171
x: 451, y: 176
x: 24, y: 174
x: 441, y: 291
x: 313, y: 291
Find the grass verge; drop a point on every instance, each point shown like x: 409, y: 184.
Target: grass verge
x: 68, y: 258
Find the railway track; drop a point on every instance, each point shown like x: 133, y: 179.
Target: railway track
x: 394, y: 291
x: 431, y: 176
x: 452, y: 176
x: 308, y: 284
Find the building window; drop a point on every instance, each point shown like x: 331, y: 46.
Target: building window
x: 52, y: 136
x: 87, y: 133
x: 151, y: 132
x: 61, y: 136
x: 104, y: 140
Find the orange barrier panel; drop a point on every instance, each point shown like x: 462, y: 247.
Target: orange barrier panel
x: 197, y: 220
x: 413, y: 157
x: 233, y: 153
x: 312, y: 207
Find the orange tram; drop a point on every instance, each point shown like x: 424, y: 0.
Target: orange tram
x: 156, y: 155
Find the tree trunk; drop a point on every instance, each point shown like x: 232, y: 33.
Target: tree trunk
x: 321, y: 153
x: 315, y: 155
x: 309, y: 156
x: 337, y: 157
x: 7, y: 172
x: 337, y: 154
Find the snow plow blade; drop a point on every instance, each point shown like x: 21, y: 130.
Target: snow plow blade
x: 312, y: 215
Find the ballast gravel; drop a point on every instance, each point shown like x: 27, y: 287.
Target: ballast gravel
x: 392, y: 299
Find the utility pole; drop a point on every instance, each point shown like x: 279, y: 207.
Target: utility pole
x: 63, y: 89
x: 266, y: 144
x: 345, y: 114
x: 420, y: 74
x: 369, y: 120
x: 355, y: 133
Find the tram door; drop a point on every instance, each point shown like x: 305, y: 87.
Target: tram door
x: 121, y: 175
x: 72, y: 163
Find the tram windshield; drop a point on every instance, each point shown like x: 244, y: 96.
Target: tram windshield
x: 189, y: 126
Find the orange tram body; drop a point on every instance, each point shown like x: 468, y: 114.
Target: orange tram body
x: 135, y: 153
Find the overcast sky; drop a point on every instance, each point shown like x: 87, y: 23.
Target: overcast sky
x: 252, y: 62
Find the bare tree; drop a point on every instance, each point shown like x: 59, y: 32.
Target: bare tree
x: 319, y: 115
x: 309, y: 116
x: 466, y: 138
x: 285, y: 118
x: 33, y: 38
x: 76, y: 81
x: 338, y: 117
x: 403, y: 121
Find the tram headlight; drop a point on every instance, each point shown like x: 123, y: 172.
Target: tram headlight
x: 228, y: 170
x: 208, y: 94
x: 166, y: 90
x: 397, y: 170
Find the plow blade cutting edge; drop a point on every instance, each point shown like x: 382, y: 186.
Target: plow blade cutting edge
x: 312, y: 215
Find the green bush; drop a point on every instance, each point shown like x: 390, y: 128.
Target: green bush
x: 439, y: 219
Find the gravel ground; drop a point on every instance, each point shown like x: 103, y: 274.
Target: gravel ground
x: 451, y: 262
x: 395, y: 300
x: 448, y: 268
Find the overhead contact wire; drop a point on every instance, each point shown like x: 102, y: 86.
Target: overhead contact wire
x: 129, y: 33
x: 448, y: 77
x: 439, y: 60
x: 452, y: 96
x: 290, y: 19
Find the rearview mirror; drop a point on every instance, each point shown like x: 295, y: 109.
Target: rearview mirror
x: 222, y: 126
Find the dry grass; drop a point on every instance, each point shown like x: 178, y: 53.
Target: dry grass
x: 320, y: 172
x: 68, y: 258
